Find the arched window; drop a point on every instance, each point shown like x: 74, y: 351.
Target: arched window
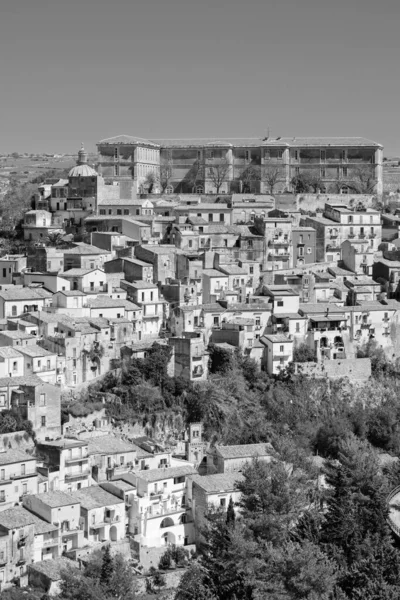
x: 169, y: 189
x: 199, y: 189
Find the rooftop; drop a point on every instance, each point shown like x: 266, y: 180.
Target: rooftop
x: 56, y: 499
x: 221, y: 482
x: 14, y: 456
x: 34, y: 350
x: 244, y: 450
x: 29, y: 380
x: 160, y: 474
x: 278, y: 338
x: 107, y: 444
x: 25, y: 294
x: 94, y: 497
x: 9, y: 352
x: 82, y: 248
x: 53, y: 568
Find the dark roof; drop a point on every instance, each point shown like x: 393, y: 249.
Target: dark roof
x: 95, y: 497
x: 169, y: 473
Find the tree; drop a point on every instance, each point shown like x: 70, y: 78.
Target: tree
x: 54, y: 239
x: 165, y: 171
x: 195, y: 584
x: 307, y: 181
x: 107, y: 567
x: 219, y: 173
x: 230, y: 513
x: 194, y: 176
x: 151, y: 181
x: 122, y: 582
x: 249, y: 175
x: 303, y: 353
x: 362, y: 180
x: 272, y: 176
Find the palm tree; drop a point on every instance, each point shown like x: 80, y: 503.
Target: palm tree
x: 55, y: 238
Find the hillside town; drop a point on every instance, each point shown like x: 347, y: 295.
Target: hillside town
x: 277, y: 250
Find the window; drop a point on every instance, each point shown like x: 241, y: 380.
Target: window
x: 306, y: 280
x: 43, y: 421
x: 2, y: 399
x: 251, y: 270
x: 211, y: 154
x: 42, y: 400
x: 216, y: 320
x: 210, y: 217
x: 142, y: 296
x: 309, y: 250
x: 345, y: 171
x: 119, y: 211
x: 281, y: 348
x: 116, y: 170
x: 2, y: 496
x: 126, y: 211
x: 222, y: 502
x: 301, y: 251
x: 221, y: 217
x: 14, y: 311
x: 15, y: 366
x: 247, y: 155
x: 121, y: 460
x: 296, y: 155
x: 116, y: 152
x: 350, y: 219
x: 297, y: 327
x: 323, y: 172
x: 102, y: 211
x: 323, y: 155
x: 24, y: 488
x: 48, y: 365
x: 279, y: 303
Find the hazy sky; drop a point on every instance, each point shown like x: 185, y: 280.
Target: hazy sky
x: 73, y: 70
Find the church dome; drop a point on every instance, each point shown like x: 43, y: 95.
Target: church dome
x: 82, y: 169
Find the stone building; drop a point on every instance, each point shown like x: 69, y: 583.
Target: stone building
x: 241, y: 165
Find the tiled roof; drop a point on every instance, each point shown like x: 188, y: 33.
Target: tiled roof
x: 33, y: 350
x: 95, y: 497
x: 25, y: 294
x: 254, y: 307
x: 278, y: 338
x: 78, y: 272
x: 169, y: 473
x: 233, y: 269
x: 9, y: 352
x: 16, y: 517
x: 29, y: 380
x: 107, y: 444
x: 141, y: 285
x: 244, y: 451
x: 53, y: 569
x: 56, y: 499
x: 17, y: 334
x: 14, y: 456
x: 220, y: 482
x: 86, y: 249
x: 123, y: 485
x: 107, y: 302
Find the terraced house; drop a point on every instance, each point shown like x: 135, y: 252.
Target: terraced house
x: 266, y: 165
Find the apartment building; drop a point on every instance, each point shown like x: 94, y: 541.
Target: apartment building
x: 66, y: 464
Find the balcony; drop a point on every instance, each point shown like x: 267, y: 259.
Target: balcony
x: 21, y: 542
x: 74, y: 476
x: 351, y: 235
x: 372, y: 236
x: 51, y: 542
x: 76, y: 459
x: 110, y: 520
x: 11, y: 476
x: 361, y: 236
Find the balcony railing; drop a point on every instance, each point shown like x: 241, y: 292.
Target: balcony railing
x: 51, y: 542
x: 78, y: 475
x: 95, y: 290
x: 11, y: 476
x: 75, y: 459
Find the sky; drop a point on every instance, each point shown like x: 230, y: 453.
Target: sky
x: 84, y: 70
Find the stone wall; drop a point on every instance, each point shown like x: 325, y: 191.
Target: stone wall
x: 357, y: 370
x: 150, y: 557
x: 172, y: 580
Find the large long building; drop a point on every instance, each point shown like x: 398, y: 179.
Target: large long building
x: 266, y: 165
